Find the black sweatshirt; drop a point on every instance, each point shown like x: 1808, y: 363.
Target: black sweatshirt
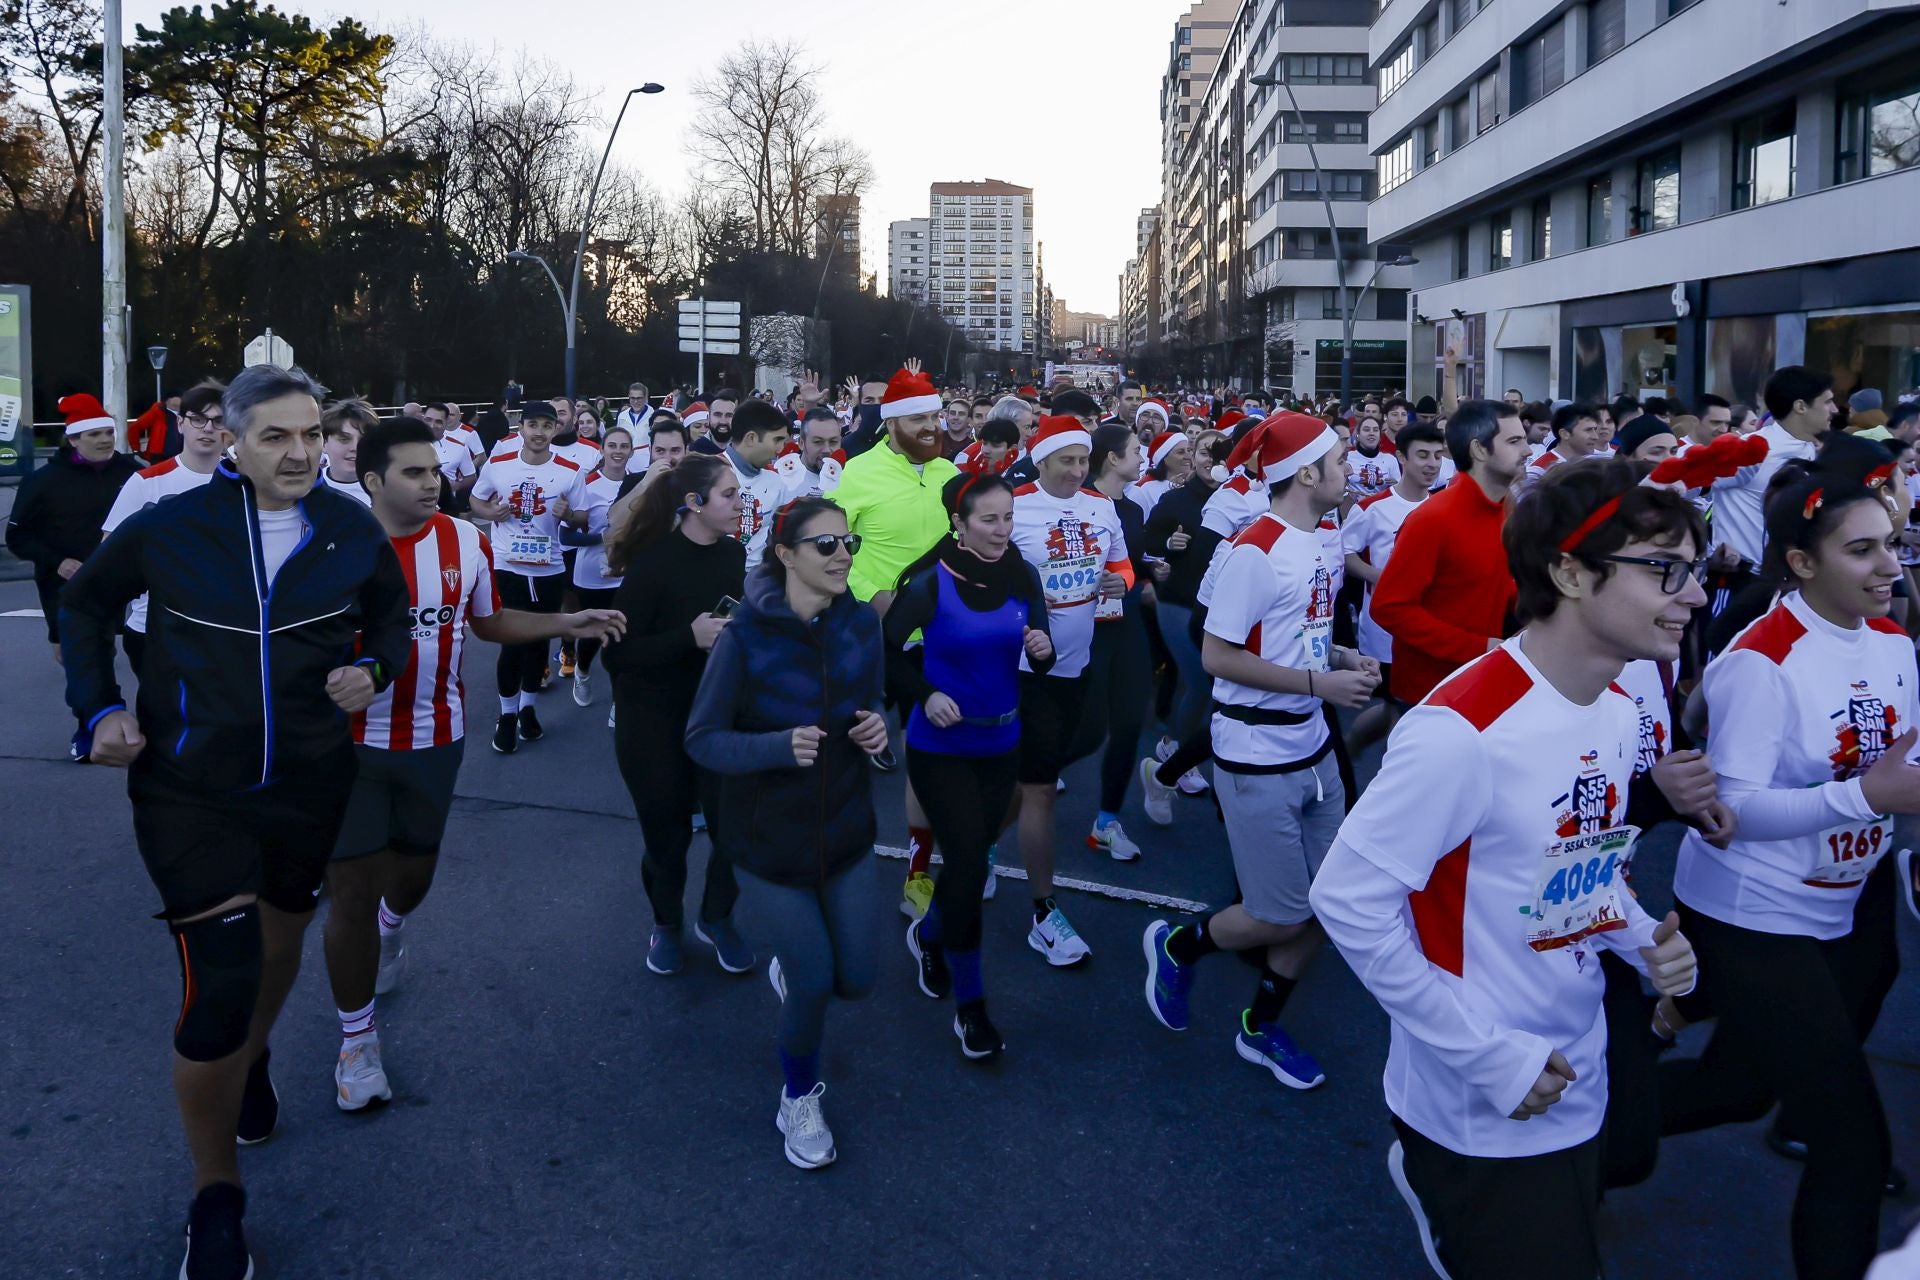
x: 672, y: 581
x: 1180, y: 508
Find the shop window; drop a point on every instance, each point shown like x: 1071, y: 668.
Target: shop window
x: 1880, y: 128
x: 1763, y: 158
x: 1657, y: 192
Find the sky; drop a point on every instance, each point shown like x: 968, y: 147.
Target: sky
x: 1057, y: 95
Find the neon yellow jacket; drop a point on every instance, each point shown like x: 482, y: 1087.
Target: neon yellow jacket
x: 896, y: 511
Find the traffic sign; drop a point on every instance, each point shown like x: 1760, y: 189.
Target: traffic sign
x: 711, y: 348
x: 694, y: 306
x: 712, y: 332
x: 268, y: 349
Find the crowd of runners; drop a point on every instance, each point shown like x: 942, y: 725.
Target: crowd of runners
x: 1569, y: 622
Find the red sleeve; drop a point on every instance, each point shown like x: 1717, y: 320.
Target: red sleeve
x: 1399, y: 598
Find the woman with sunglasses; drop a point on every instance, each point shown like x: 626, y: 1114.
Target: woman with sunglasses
x: 976, y: 605
x: 1810, y: 714
x: 788, y: 713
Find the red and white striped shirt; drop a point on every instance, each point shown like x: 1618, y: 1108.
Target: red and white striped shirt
x: 449, y: 570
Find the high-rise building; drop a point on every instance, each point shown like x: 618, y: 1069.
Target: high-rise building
x: 1140, y: 304
x: 1654, y: 196
x: 836, y: 235
x: 909, y: 259
x: 983, y: 270
x: 1193, y: 56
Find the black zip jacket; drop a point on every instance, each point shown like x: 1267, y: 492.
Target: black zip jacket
x: 233, y: 688
x: 58, y: 512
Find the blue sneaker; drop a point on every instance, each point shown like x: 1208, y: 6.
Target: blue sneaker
x: 663, y: 951
x: 734, y: 953
x: 1275, y: 1050
x: 1168, y: 981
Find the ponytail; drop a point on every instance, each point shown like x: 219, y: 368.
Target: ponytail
x: 653, y: 509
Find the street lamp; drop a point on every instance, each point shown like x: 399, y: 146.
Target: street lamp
x: 570, y: 299
x: 1402, y: 259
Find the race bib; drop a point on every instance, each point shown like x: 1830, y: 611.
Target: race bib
x: 1845, y: 854
x: 1071, y: 582
x: 1577, y: 893
x: 529, y: 547
x: 1316, y: 636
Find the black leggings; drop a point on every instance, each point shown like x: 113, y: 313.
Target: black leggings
x: 521, y: 666
x: 1631, y: 1134
x: 965, y: 798
x: 592, y: 598
x: 1794, y: 1012
x: 1119, y: 687
x: 649, y: 745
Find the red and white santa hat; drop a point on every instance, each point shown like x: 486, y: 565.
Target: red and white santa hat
x: 83, y: 412
x: 908, y: 393
x: 1163, y: 444
x: 1159, y: 407
x: 694, y: 414
x: 1056, y: 432
x: 1283, y: 444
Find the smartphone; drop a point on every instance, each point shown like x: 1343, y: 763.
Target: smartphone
x: 726, y: 607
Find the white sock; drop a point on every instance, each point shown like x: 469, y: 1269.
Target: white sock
x: 357, y: 1023
x: 527, y: 699
x: 390, y: 920
x: 509, y: 703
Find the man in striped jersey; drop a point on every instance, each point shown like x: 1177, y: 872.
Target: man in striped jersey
x: 409, y: 741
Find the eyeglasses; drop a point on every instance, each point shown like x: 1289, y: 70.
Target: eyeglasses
x: 826, y: 542
x: 215, y: 421
x: 1673, y: 573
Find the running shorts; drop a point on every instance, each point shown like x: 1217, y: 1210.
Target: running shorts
x: 1279, y: 827
x: 1049, y: 716
x: 400, y: 801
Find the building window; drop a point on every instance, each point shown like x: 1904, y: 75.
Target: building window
x: 1186, y: 62
x: 1343, y: 184
x: 1390, y: 304
x: 1657, y: 192
x: 1539, y: 66
x: 1350, y: 130
x: 1186, y: 35
x: 1600, y: 210
x: 1606, y: 29
x: 1462, y: 112
x: 1880, y: 129
x: 1396, y: 165
x: 1430, y: 143
x: 1763, y: 158
x: 1330, y: 304
x: 1460, y: 248
x: 1430, y: 36
x: 1395, y: 70
x: 1675, y: 6
x: 1540, y: 230
x: 1462, y: 14
x: 1486, y: 96
x: 1500, y: 242
x: 1324, y: 68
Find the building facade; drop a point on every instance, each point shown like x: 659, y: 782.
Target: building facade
x: 982, y: 261
x: 909, y: 259
x: 1652, y: 196
x: 1140, y: 303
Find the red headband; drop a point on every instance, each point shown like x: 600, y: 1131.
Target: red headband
x: 960, y: 494
x: 780, y: 519
x: 1601, y: 514
x: 1814, y: 500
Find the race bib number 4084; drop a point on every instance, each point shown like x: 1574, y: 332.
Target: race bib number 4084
x: 1578, y: 892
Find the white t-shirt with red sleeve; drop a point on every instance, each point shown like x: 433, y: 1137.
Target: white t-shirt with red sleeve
x: 1274, y: 598
x: 1377, y: 474
x: 527, y: 542
x: 1372, y: 529
x: 1235, y: 504
x: 1072, y: 542
x: 1471, y: 887
x: 449, y: 571
x: 1797, y: 710
x: 142, y: 490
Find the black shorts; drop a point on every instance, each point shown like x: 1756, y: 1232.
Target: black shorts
x: 400, y: 801
x: 533, y: 595
x: 1049, y: 716
x: 203, y: 847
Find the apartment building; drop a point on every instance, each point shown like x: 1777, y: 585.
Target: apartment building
x: 981, y: 261
x: 1193, y: 58
x: 1140, y: 303
x: 909, y: 258
x: 1653, y: 196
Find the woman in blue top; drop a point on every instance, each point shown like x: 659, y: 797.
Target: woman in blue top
x: 975, y: 606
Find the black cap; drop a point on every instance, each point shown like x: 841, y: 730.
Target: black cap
x: 538, y: 409
x: 1640, y: 430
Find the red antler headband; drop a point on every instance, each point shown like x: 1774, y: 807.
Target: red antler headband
x: 1697, y: 468
x: 1814, y: 500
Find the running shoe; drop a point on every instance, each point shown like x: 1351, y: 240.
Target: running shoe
x: 546, y: 679
x: 216, y: 1243
x: 359, y: 1080
x: 1163, y: 750
x: 1168, y: 981
x: 566, y: 662
x: 1114, y: 839
x: 979, y: 1038
x: 1397, y: 1170
x: 506, y: 736
x: 886, y: 761
x: 1055, y: 939
x: 992, y: 886
x: 1909, y: 868
x: 663, y: 951
x: 1156, y: 797
x: 259, y: 1105
x: 931, y: 965
x: 611, y: 712
x: 1794, y: 1149
x: 809, y: 1142
x: 1194, y: 783
x: 1274, y: 1049
x: 915, y: 894
x: 393, y: 961
x: 582, y: 689
x: 1059, y: 786
x: 778, y: 977
x: 734, y: 954
x: 530, y: 730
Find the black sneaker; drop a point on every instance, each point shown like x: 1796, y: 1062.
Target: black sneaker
x: 259, y: 1105
x: 1794, y: 1149
x: 978, y: 1037
x: 506, y: 738
x: 935, y: 981
x: 530, y: 730
x: 886, y: 761
x: 216, y: 1245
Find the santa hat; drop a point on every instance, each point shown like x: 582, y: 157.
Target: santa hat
x: 1159, y: 407
x: 1163, y: 444
x: 694, y: 414
x: 1057, y: 432
x: 1027, y: 393
x: 1229, y: 420
x: 1283, y: 444
x: 908, y: 393
x: 83, y: 413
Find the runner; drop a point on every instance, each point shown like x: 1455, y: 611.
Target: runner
x: 1269, y: 648
x: 593, y: 583
x: 1375, y: 460
x: 528, y: 492
x: 760, y: 432
x: 1812, y: 712
x: 682, y: 571
x: 810, y: 465
x: 344, y: 423
x: 1647, y: 439
x: 1072, y: 537
x: 636, y: 415
x: 409, y: 741
x: 1498, y: 788
x: 459, y: 457
x: 977, y: 606
x: 787, y: 712
x: 258, y: 585
x: 1169, y: 460
x: 1576, y: 432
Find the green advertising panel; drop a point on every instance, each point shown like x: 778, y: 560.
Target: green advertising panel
x: 16, y: 379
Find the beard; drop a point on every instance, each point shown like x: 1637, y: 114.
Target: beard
x: 908, y: 444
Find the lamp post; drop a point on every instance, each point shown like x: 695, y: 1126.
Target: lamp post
x: 1347, y: 321
x: 570, y: 298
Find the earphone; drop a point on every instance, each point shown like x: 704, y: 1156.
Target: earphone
x: 698, y: 501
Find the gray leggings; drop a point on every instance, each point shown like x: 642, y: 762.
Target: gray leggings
x: 827, y: 938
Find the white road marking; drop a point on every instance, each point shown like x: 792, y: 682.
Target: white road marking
x: 1118, y: 892
x: 23, y: 613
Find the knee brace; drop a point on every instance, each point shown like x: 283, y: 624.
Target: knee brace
x: 220, y: 982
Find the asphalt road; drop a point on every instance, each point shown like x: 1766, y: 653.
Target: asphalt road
x: 560, y: 1111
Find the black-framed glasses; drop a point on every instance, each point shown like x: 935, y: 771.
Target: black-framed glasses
x: 826, y: 542
x: 1673, y: 573
x: 201, y: 417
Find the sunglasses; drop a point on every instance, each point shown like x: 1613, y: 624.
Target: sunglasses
x: 825, y: 543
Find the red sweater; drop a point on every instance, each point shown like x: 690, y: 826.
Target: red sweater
x: 1446, y: 590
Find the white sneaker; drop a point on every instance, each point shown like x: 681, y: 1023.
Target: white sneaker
x: 1194, y: 783
x: 992, y: 886
x: 611, y: 711
x: 582, y: 689
x: 1055, y: 939
x: 809, y: 1141
x: 358, y: 1078
x: 1157, y: 798
x: 393, y: 961
x: 1163, y: 750
x: 1397, y: 1170
x: 778, y: 978
x: 1114, y: 839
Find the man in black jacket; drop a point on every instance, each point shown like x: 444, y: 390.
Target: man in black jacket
x: 275, y: 612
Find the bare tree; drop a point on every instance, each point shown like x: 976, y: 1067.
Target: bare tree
x: 45, y: 45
